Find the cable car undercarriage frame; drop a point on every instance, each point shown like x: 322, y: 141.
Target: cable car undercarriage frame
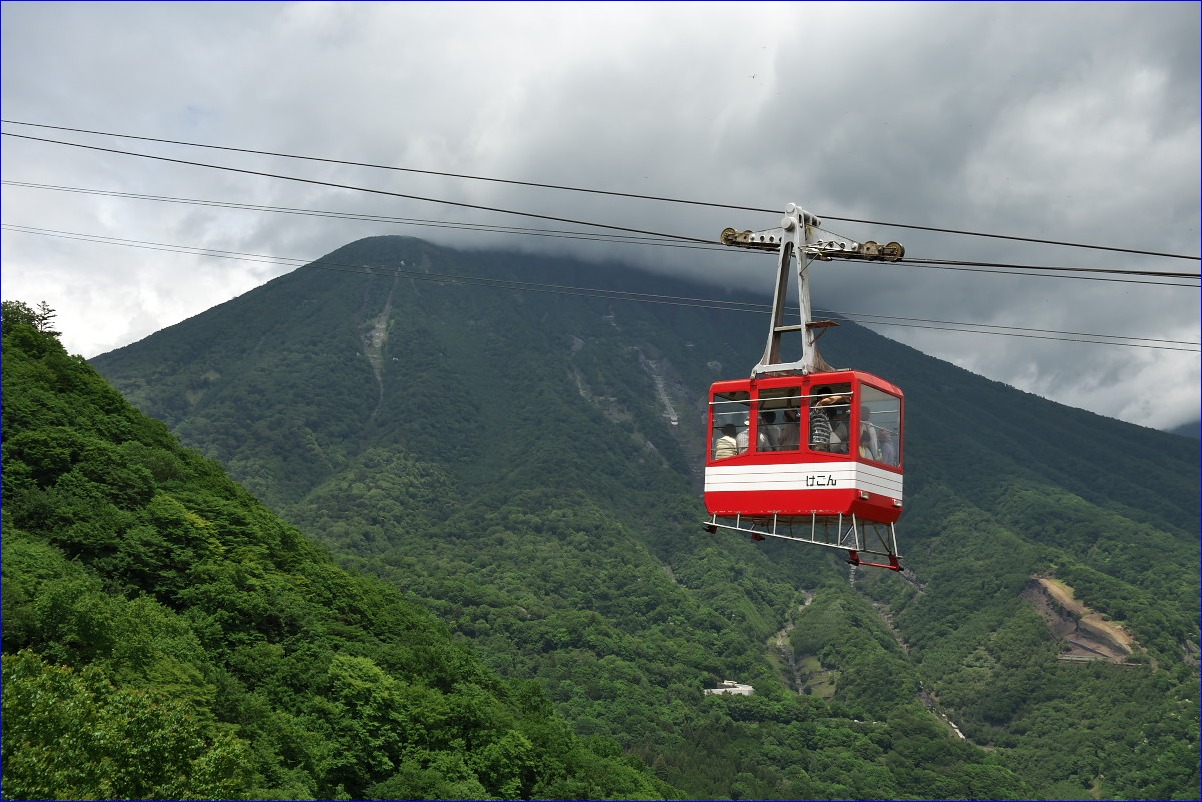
x: 844, y: 532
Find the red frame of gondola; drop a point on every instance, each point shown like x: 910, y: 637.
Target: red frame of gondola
x: 805, y: 482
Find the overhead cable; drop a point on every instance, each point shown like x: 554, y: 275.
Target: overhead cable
x: 675, y: 300
x: 379, y: 218
x: 334, y: 185
x: 588, y: 190
x: 1008, y: 269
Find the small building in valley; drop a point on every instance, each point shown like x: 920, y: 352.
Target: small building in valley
x: 730, y: 686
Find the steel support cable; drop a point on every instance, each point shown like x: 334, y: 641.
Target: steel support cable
x: 594, y: 191
x: 619, y: 239
x: 732, y: 305
x: 388, y: 193
x: 950, y: 264
x: 1196, y: 349
x: 415, y: 170
x: 868, y: 317
x: 1013, y: 238
x: 1017, y: 272
x: 704, y: 303
x: 921, y: 261
x: 735, y: 306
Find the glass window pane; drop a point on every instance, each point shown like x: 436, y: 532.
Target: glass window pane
x: 731, y: 412
x: 880, y: 426
x: 780, y: 419
x: 830, y: 418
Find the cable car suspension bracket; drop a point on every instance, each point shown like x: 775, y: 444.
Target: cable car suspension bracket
x: 798, y: 234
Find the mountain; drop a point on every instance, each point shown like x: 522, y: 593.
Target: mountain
x: 1193, y: 430
x: 522, y: 457
x: 167, y: 636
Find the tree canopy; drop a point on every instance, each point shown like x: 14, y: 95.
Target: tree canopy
x: 167, y: 636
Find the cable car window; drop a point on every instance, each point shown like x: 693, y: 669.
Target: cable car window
x: 880, y: 426
x: 729, y: 415
x: 780, y: 419
x: 830, y: 418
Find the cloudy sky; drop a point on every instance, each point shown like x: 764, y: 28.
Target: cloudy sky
x: 1075, y: 122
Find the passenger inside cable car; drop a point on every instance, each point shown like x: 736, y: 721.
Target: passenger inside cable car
x: 830, y: 419
x: 840, y: 419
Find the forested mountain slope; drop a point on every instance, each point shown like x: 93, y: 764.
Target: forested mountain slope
x: 167, y: 636
x: 525, y: 462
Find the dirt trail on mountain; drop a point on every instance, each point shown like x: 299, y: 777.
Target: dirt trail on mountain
x: 1087, y: 635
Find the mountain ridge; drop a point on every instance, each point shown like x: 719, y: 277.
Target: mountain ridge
x: 202, y: 330
x: 400, y: 416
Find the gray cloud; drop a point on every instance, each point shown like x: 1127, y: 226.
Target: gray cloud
x: 1075, y: 122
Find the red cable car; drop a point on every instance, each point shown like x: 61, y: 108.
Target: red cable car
x: 802, y: 451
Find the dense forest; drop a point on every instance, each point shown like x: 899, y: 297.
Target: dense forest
x: 167, y: 636
x: 524, y: 466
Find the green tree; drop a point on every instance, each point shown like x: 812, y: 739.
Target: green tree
x: 18, y: 312
x: 73, y: 735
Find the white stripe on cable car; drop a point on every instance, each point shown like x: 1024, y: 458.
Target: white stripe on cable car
x: 796, y: 477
